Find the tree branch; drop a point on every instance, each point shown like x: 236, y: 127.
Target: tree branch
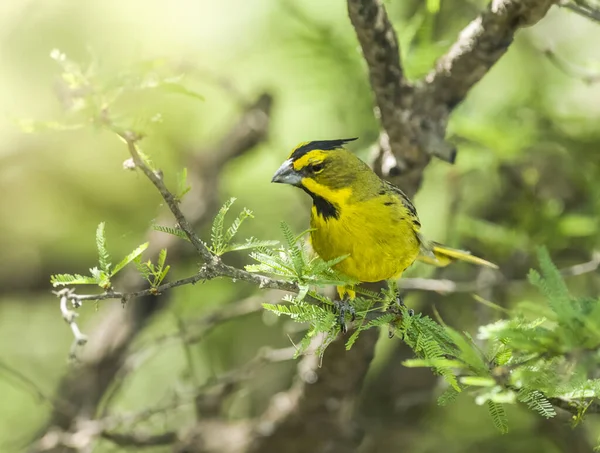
x: 583, y: 8
x: 84, y: 387
x: 409, y: 137
x: 479, y: 46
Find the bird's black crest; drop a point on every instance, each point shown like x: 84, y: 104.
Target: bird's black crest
x: 325, y: 145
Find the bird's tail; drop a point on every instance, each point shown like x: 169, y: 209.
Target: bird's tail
x: 440, y: 255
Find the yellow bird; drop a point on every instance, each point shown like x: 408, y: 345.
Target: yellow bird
x: 358, y: 214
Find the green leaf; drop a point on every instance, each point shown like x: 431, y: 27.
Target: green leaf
x: 173, y: 231
x: 302, y: 293
x: 353, y: 338
x: 537, y: 402
x: 575, y: 225
x: 468, y: 352
x: 448, y: 397
x: 144, y: 269
x: 177, y: 88
x: 71, y: 279
x: 251, y: 243
x: 295, y: 251
x: 235, y: 226
x: 436, y: 362
x: 217, y: 233
x: 162, y: 257
x: 498, y: 416
x: 433, y: 6
x: 477, y: 381
x: 161, y: 276
x: 129, y: 258
x: 104, y: 258
x: 182, y: 185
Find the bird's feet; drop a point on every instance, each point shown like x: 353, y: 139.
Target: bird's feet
x: 400, y: 303
x: 343, y: 307
x: 397, y: 309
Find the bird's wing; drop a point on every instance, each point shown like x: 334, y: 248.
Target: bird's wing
x: 414, y: 217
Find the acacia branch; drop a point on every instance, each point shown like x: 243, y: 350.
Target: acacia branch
x: 408, y: 137
x: 85, y: 386
x: 156, y: 178
x: 381, y: 51
x: 479, y: 46
x: 583, y: 8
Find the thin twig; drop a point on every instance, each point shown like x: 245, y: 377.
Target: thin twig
x: 140, y: 439
x: 451, y: 286
x: 479, y: 46
x: 570, y: 69
x: 582, y: 8
x: 131, y: 139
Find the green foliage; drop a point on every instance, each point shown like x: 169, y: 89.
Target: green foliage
x: 173, y: 231
x: 498, y: 415
x: 525, y: 360
x: 293, y: 262
x: 153, y: 273
x: 89, y: 94
x: 221, y: 239
x: 104, y: 257
x: 182, y: 185
x: 100, y: 275
x: 536, y: 401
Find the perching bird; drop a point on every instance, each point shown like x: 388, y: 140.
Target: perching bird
x: 358, y: 214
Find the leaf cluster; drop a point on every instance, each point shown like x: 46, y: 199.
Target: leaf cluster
x: 102, y: 273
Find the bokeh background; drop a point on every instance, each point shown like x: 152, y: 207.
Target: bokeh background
x: 527, y: 174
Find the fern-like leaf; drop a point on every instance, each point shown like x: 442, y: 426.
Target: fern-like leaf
x: 129, y: 258
x: 537, y: 402
x: 71, y: 279
x: 498, y: 415
x: 173, y: 231
x: 104, y: 257
x: 182, y: 185
x: 448, y: 397
x: 144, y: 269
x: 296, y: 254
x: 217, y: 234
x: 235, y: 226
x: 251, y: 243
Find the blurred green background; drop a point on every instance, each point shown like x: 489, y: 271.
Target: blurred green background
x: 527, y: 174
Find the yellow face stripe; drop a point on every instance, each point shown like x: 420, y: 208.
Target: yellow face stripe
x: 311, y: 157
x: 335, y: 196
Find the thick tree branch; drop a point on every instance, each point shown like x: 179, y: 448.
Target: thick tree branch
x: 409, y: 137
x: 318, y: 412
x: 479, y: 46
x: 382, y: 54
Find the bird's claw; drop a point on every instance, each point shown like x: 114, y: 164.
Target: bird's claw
x: 400, y: 303
x: 398, y: 306
x: 343, y: 307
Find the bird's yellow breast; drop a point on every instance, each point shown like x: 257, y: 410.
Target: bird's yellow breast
x: 380, y: 241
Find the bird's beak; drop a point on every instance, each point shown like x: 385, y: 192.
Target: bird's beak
x: 287, y: 175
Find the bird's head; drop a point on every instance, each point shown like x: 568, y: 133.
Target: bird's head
x: 320, y: 167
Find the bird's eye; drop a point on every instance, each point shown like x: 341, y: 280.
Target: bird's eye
x: 316, y: 168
